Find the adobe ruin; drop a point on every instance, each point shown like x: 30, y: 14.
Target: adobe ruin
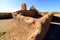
x: 30, y: 13
x: 25, y: 25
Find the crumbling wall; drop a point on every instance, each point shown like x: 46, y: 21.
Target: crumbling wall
x: 29, y: 28
x: 31, y: 13
x: 5, y: 15
x: 45, y: 23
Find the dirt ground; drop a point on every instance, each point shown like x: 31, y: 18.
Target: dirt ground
x: 5, y: 24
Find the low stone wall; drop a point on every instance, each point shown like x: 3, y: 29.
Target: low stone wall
x: 29, y: 28
x: 5, y: 15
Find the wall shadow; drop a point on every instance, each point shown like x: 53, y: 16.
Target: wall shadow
x: 55, y: 19
x: 53, y: 33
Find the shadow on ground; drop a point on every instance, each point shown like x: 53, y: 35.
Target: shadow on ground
x: 53, y: 33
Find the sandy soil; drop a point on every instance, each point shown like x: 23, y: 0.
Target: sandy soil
x: 6, y: 24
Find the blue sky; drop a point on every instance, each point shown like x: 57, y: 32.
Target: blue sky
x: 41, y: 5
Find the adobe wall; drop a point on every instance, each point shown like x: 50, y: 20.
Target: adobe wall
x: 45, y: 23
x: 31, y: 13
x: 30, y: 28
x: 27, y: 12
x: 5, y: 15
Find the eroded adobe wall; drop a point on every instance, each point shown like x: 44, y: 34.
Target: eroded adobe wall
x: 45, y: 23
x: 29, y: 28
x: 5, y: 15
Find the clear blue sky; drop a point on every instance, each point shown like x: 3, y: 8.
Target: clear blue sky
x: 41, y: 5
